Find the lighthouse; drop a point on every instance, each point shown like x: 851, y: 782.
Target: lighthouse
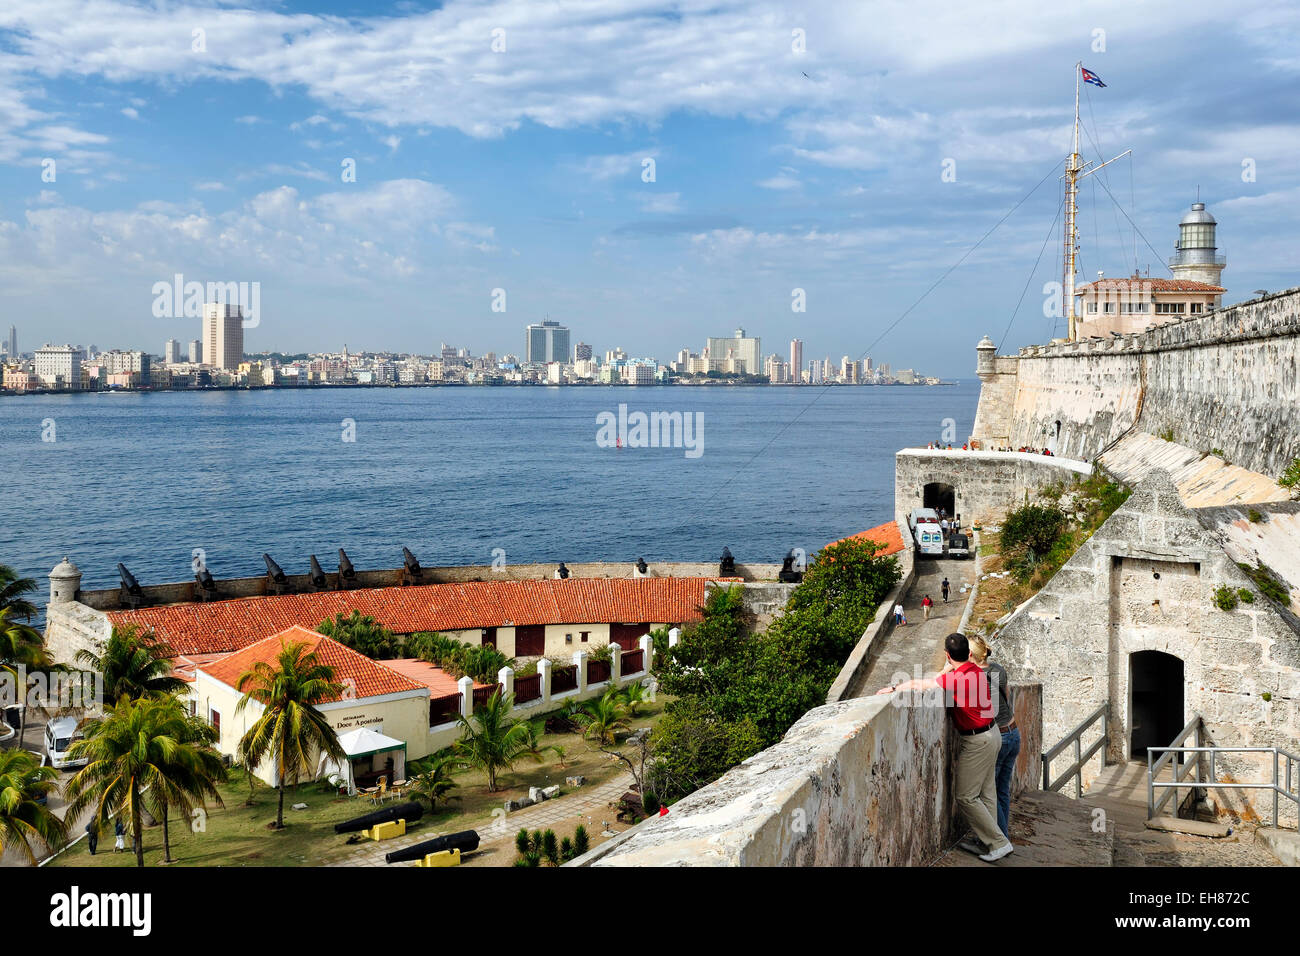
x: 1197, y: 258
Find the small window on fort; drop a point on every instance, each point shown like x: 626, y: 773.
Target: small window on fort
x: 585, y: 635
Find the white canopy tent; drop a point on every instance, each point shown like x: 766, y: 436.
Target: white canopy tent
x: 364, y: 745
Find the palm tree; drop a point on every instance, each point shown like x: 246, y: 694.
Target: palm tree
x: 134, y: 663
x: 21, y: 645
x: 138, y: 747
x: 435, y: 783
x: 24, y: 785
x: 194, y: 778
x: 12, y: 589
x: 290, y: 730
x: 604, y: 717
x: 493, y: 740
x: 634, y: 695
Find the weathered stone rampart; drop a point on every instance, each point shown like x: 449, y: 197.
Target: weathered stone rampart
x: 865, y: 782
x: 985, y: 483
x: 1226, y: 380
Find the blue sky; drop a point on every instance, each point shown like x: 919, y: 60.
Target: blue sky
x: 522, y: 169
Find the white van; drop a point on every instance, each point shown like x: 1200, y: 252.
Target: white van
x: 60, y: 734
x: 926, y: 531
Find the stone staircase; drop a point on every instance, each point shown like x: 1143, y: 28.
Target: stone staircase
x: 1108, y: 827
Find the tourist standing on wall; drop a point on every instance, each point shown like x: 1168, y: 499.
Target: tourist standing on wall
x: 1000, y: 687
x: 970, y: 704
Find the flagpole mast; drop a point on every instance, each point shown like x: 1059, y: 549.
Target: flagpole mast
x: 1071, y: 209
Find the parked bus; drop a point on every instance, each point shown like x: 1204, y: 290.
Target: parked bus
x: 924, y: 525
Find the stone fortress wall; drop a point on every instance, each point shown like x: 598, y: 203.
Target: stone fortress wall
x: 1225, y: 380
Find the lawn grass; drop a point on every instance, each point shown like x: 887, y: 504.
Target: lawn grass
x: 237, y: 835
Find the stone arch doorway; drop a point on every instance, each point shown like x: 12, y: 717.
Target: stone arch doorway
x: 938, y: 495
x: 1155, y: 682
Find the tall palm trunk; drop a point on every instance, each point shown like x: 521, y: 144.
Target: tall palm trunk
x: 167, y: 846
x: 279, y: 814
x: 136, y: 823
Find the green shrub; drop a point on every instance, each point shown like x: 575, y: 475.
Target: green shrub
x: 1246, y: 595
x: 1167, y: 434
x: 364, y: 635
x: 1225, y: 598
x: 580, y: 841
x: 1269, y: 586
x: 1254, y: 516
x: 1291, y: 476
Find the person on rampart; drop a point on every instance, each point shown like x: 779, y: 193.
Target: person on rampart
x: 969, y: 702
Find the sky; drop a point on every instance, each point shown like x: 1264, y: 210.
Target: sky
x: 649, y: 174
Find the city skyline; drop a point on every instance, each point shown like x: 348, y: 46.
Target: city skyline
x: 841, y: 160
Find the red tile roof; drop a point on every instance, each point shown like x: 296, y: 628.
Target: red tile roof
x: 1141, y: 283
x: 216, y: 626
x: 363, y: 676
x: 439, y: 682
x: 886, y: 534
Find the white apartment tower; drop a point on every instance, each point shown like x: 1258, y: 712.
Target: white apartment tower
x: 223, y: 335
x: 796, y: 360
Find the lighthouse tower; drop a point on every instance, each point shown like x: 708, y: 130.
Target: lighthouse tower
x: 1197, y: 258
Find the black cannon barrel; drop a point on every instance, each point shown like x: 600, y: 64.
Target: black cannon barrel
x: 466, y: 841
x: 403, y: 811
x: 273, y: 570
x: 410, y: 561
x: 203, y: 578
x: 345, y: 566
x: 317, y: 575
x: 128, y: 579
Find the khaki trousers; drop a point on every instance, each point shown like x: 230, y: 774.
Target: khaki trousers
x: 976, y: 786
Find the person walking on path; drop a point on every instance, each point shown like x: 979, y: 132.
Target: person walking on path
x: 969, y: 704
x: 945, y: 587
x: 1000, y: 688
x: 899, y: 617
x: 925, y: 608
x: 119, y: 832
x: 92, y: 835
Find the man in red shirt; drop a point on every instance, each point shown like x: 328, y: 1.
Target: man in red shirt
x: 969, y: 701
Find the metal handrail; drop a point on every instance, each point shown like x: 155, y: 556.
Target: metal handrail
x: 1171, y: 787
x: 1075, y: 736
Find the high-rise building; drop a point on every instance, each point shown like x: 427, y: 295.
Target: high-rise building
x: 223, y: 335
x: 545, y: 342
x: 11, y: 345
x: 196, y: 351
x: 743, y: 349
x: 171, y: 352
x: 582, y: 352
x: 796, y: 360
x: 848, y: 371
x: 58, y: 366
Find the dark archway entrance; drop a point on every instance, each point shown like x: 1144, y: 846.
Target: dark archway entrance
x: 937, y: 495
x: 1155, y: 682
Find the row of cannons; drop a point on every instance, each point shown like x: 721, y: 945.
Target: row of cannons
x: 392, y: 822
x: 206, y: 588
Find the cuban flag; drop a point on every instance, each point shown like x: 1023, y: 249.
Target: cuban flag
x: 1091, y: 77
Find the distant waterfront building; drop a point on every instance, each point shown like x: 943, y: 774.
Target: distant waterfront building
x: 58, y: 366
x: 848, y: 371
x: 815, y: 372
x: 581, y: 352
x: 546, y: 342
x: 778, y: 372
x: 11, y: 344
x: 171, y: 352
x: 196, y: 352
x: 741, y: 348
x: 223, y: 335
x: 796, y: 360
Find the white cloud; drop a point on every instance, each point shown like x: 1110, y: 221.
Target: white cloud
x: 130, y: 112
